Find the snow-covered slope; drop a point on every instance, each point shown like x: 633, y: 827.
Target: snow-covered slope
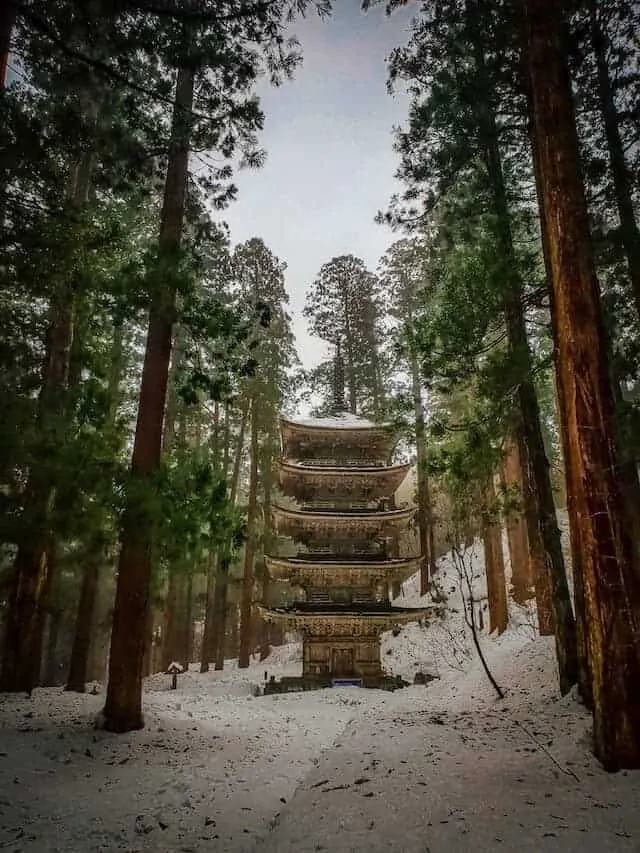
x: 446, y: 767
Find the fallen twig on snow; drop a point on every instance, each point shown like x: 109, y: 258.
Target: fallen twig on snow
x: 544, y: 749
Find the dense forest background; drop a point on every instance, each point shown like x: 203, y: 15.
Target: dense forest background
x: 146, y: 358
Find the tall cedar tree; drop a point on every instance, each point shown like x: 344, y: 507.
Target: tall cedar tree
x: 64, y: 127
x: 123, y: 708
x: 403, y: 271
x: 453, y: 122
x: 343, y: 307
x: 226, y: 49
x: 598, y: 519
x: 260, y: 278
x: 31, y: 569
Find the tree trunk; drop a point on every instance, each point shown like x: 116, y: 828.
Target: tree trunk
x: 215, y: 627
x: 8, y: 12
x: 96, y: 553
x: 220, y: 606
x: 232, y: 616
x: 80, y: 650
x: 265, y: 628
x: 22, y: 639
x: 171, y: 411
x: 376, y: 380
x: 123, y: 708
x: 208, y: 651
x: 176, y: 635
x: 188, y: 628
x: 584, y: 677
x: 227, y: 441
x: 99, y: 651
x: 150, y: 652
x: 267, y: 544
x: 427, y: 561
x: 170, y: 633
x: 537, y: 556
x: 522, y: 578
x: 244, y: 655
x: 610, y: 581
x: 50, y: 671
x: 235, y: 476
x: 349, y: 366
x: 540, y: 507
x: 494, y: 564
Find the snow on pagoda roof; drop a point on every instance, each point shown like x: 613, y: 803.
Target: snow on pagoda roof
x: 341, y: 420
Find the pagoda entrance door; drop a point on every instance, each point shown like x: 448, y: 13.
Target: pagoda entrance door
x: 342, y: 664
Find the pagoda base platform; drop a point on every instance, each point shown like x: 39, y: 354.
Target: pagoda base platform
x: 298, y: 683
x: 341, y: 643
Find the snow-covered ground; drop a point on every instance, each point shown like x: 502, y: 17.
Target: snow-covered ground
x: 442, y: 768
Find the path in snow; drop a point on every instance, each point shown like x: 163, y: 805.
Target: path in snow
x: 211, y: 768
x: 441, y: 769
x: 454, y: 771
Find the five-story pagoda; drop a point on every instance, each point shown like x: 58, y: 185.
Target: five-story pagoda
x: 350, y: 535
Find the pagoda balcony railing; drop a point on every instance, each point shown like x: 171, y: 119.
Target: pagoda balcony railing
x: 323, y: 597
x: 338, y: 462
x: 330, y: 606
x: 331, y: 508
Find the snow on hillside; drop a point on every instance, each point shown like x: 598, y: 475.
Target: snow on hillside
x: 218, y: 768
x: 444, y: 647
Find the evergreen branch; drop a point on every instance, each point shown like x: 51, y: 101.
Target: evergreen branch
x: 106, y: 68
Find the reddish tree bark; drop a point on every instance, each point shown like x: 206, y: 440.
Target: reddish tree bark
x: 522, y: 580
x: 123, y: 708
x: 246, y: 599
x: 80, y: 650
x: 540, y: 511
x: 494, y: 564
x: 597, y: 513
x: 8, y: 12
x: 220, y: 608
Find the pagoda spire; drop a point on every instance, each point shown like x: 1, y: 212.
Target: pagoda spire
x: 339, y: 404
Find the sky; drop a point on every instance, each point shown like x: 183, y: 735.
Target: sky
x: 330, y: 160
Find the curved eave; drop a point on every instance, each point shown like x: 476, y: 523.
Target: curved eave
x: 315, y: 429
x: 370, y: 482
x: 344, y: 624
x: 312, y: 526
x: 387, y: 516
x: 357, y: 574
x: 381, y: 438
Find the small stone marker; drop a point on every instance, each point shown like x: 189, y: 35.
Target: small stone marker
x: 174, y: 669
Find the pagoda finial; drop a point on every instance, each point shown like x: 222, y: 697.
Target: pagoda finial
x: 338, y: 382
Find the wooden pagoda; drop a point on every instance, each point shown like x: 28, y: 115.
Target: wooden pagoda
x: 350, y: 535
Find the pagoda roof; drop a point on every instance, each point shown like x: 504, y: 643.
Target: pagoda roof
x: 349, y: 622
x: 343, y: 420
x: 355, y: 574
x: 351, y: 524
x: 366, y: 482
x: 338, y: 436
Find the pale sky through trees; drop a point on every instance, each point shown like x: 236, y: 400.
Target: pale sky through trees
x: 330, y: 161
